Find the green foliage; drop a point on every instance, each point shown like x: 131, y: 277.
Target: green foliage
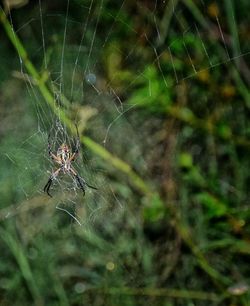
x: 155, y: 210
x: 164, y: 136
x: 214, y: 207
x: 151, y: 92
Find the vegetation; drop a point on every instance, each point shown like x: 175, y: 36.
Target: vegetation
x: 159, y: 94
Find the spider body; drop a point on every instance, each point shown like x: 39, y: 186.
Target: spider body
x: 64, y: 158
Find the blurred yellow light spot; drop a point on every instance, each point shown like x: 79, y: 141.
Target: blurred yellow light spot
x: 165, y: 57
x: 238, y: 289
x: 203, y: 76
x: 110, y: 266
x: 237, y: 224
x: 213, y: 10
x: 242, y: 223
x: 228, y: 91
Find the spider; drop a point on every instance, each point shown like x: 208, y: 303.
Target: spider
x: 64, y: 158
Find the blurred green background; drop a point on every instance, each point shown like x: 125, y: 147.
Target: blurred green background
x: 159, y: 92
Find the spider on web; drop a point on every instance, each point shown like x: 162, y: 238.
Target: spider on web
x: 64, y: 157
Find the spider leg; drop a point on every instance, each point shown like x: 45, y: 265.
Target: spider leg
x: 51, y: 179
x: 92, y: 187
x: 47, y: 187
x: 81, y: 182
x: 51, y: 154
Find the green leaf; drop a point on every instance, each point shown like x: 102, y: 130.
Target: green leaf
x: 152, y: 92
x: 215, y: 207
x: 186, y: 160
x: 154, y: 210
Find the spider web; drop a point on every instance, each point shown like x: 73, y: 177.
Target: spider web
x: 101, y: 104
x: 72, y: 63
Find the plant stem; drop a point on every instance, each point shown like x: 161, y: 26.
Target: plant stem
x: 173, y: 293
